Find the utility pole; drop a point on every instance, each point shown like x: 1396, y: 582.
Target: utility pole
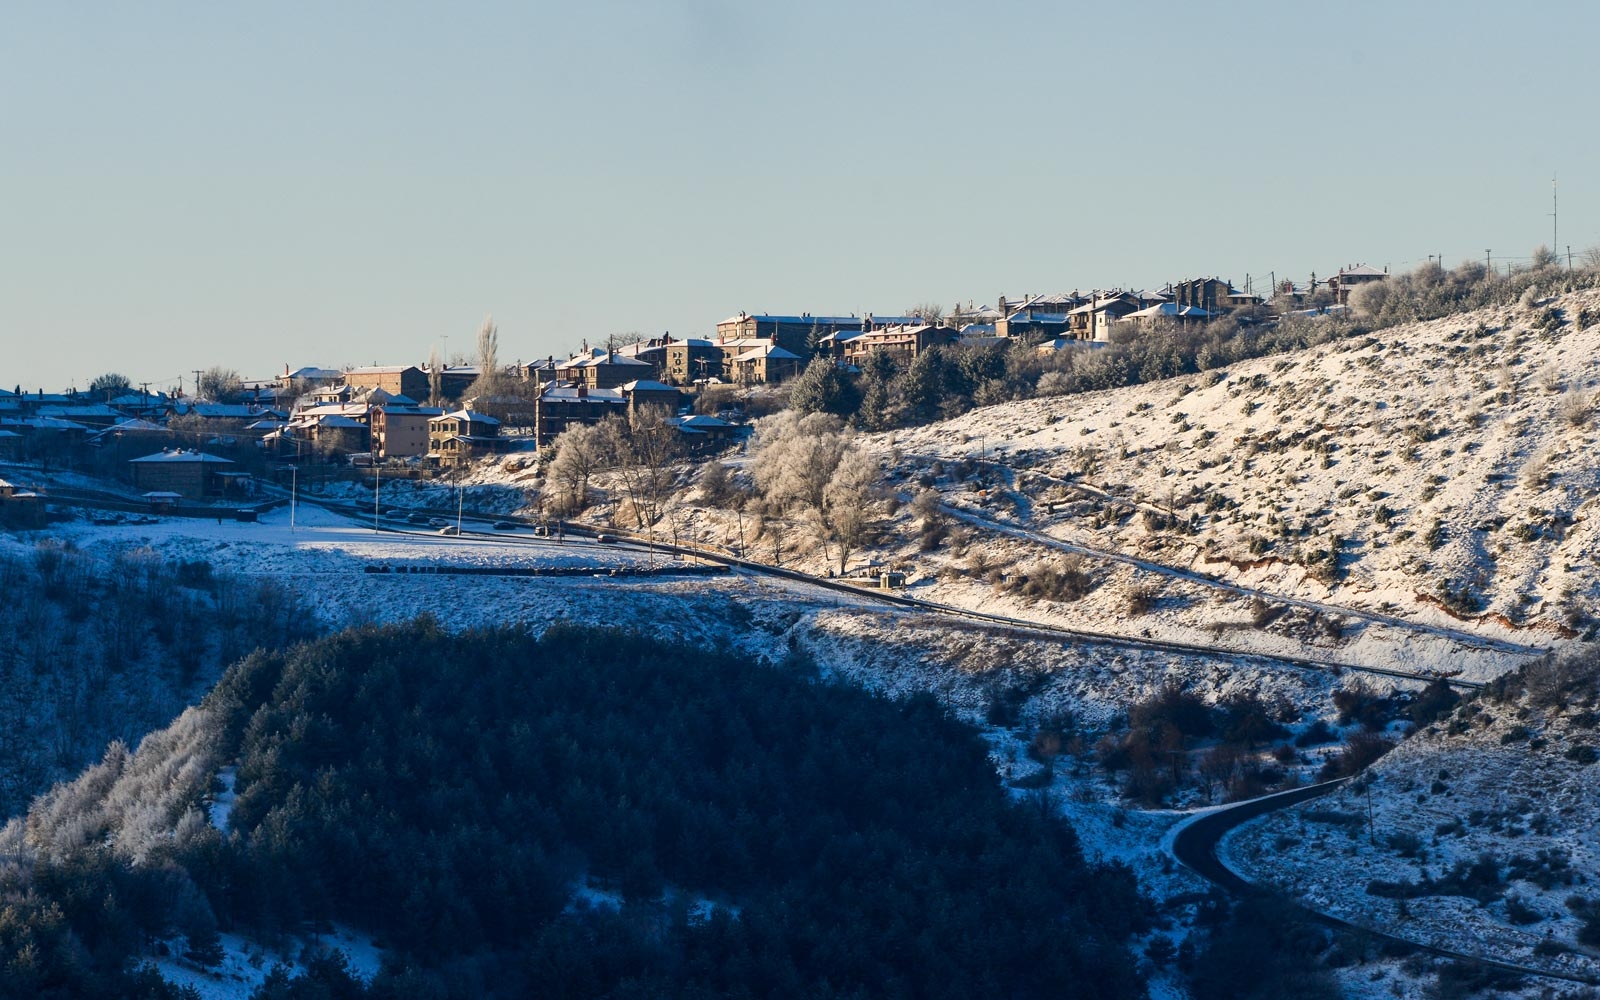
x: 196, y: 383
x: 1487, y: 265
x: 1372, y: 827
x: 1554, y: 215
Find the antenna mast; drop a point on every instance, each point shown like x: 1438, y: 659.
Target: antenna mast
x: 1554, y: 216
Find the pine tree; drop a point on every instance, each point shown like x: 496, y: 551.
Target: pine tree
x: 823, y: 388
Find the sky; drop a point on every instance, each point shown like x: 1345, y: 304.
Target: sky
x: 185, y: 186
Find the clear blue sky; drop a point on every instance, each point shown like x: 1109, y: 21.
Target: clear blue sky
x: 187, y: 185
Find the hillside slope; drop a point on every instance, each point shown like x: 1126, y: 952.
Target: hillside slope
x: 1438, y: 471
x: 1478, y: 834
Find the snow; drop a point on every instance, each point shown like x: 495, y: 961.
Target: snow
x: 1460, y: 796
x: 222, y: 804
x: 245, y: 964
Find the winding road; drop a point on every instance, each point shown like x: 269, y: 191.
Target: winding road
x: 1194, y: 843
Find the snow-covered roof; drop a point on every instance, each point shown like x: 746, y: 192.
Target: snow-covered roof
x: 1103, y: 302
x: 134, y: 426
x: 161, y: 494
x: 401, y: 409
x: 562, y: 391
x: 338, y: 420
x: 1169, y: 310
x: 469, y: 416
x: 381, y: 369
x: 647, y: 385
x: 223, y: 411
x: 185, y: 458
x: 80, y: 410
x: 699, y: 420
x: 51, y: 424
x: 1362, y: 271
x: 608, y: 359
x: 794, y: 320
x: 769, y: 351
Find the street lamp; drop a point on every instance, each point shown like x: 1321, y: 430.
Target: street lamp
x: 376, y: 473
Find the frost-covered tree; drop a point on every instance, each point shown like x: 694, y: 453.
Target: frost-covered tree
x: 580, y: 452
x: 795, y: 457
x: 111, y: 383
x: 847, y: 502
x: 222, y: 385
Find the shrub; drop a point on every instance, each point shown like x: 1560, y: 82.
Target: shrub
x: 1064, y: 579
x: 1360, y: 751
x: 1140, y: 601
x: 1316, y: 734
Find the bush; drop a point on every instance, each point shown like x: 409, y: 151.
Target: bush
x: 1436, y: 700
x: 1140, y: 601
x: 1064, y: 579
x: 1359, y: 703
x: 1360, y: 751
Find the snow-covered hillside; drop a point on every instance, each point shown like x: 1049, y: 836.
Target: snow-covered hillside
x: 1437, y: 471
x: 1478, y: 835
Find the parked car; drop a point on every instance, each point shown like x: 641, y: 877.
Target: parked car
x: 418, y: 519
x: 504, y: 526
x: 449, y: 529
x: 437, y: 522
x: 540, y: 529
x: 605, y: 539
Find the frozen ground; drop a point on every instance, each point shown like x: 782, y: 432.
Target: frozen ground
x: 1440, y: 802
x: 245, y: 964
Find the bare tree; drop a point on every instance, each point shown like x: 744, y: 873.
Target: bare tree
x: 928, y: 312
x: 847, y: 499
x: 488, y: 383
x: 435, y: 378
x: 645, y: 453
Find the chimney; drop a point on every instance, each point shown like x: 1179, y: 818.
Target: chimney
x: 583, y: 390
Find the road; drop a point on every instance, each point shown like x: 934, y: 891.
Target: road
x: 1193, y: 844
x: 1377, y: 618
x: 860, y: 594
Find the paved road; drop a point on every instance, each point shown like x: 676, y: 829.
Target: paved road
x: 1194, y: 845
x: 860, y: 594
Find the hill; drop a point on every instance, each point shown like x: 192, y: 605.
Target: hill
x: 1435, y: 473
x: 1477, y: 834
x: 585, y: 810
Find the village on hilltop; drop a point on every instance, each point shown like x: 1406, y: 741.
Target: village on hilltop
x: 215, y: 440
